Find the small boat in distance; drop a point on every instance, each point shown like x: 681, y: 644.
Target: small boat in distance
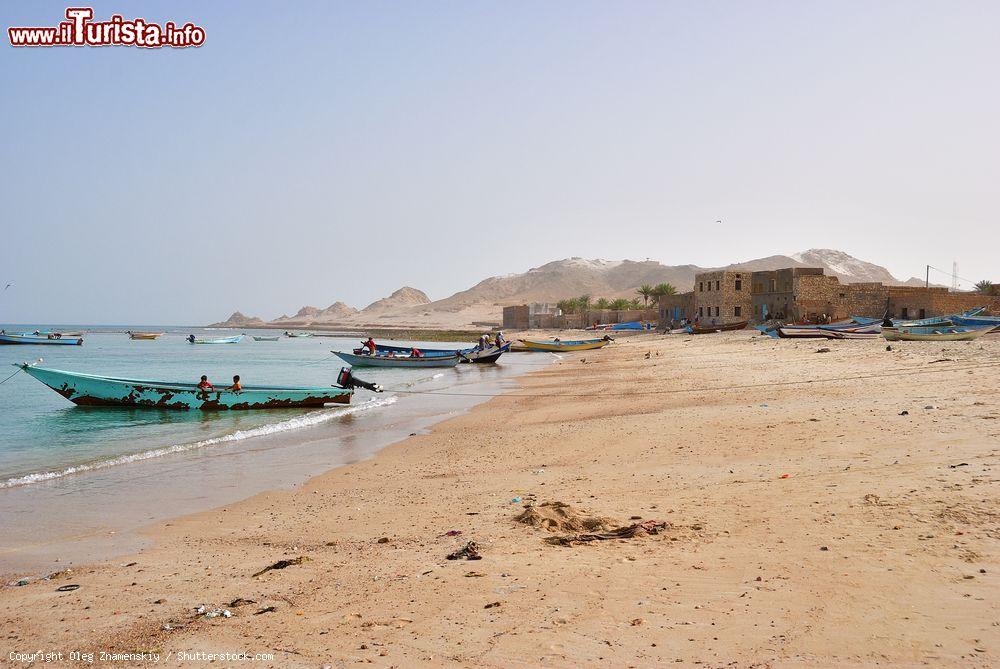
x: 392, y: 360
x: 225, y: 340
x: 144, y: 335
x: 725, y: 327
x: 51, y: 339
x: 558, y: 346
x: 298, y: 334
x: 104, y: 391
x: 473, y: 354
x: 954, y: 333
x: 256, y: 338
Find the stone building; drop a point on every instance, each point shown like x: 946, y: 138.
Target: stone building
x: 721, y: 297
x: 676, y: 307
x: 516, y: 317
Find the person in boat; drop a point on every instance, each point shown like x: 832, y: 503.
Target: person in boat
x: 237, y: 386
x: 499, y: 340
x: 484, y: 342
x: 370, y: 345
x: 886, y: 321
x: 204, y: 384
x: 416, y: 353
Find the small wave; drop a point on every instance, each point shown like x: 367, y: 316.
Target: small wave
x: 438, y: 375
x: 299, y: 422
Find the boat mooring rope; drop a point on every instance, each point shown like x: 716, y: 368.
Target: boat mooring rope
x: 19, y: 370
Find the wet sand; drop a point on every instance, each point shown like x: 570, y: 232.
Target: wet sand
x: 808, y: 523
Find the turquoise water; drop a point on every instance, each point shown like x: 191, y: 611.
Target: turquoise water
x: 45, y: 437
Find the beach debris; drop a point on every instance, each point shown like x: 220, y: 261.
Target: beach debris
x: 941, y: 360
x: 452, y: 533
x: 823, y: 350
x: 474, y: 574
x: 930, y: 406
x: 282, y: 564
x: 960, y: 464
x: 888, y: 348
x: 470, y: 551
x: 22, y: 581
x: 492, y: 605
x: 266, y: 609
x: 239, y: 601
x: 70, y: 587
x: 904, y: 412
x: 160, y: 601
x: 561, y: 517
x: 515, y: 500
x: 873, y: 499
x: 824, y: 548
x: 784, y: 476
x: 635, y: 622
x: 627, y: 532
x: 383, y: 540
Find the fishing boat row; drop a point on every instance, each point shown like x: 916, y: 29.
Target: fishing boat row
x: 109, y: 391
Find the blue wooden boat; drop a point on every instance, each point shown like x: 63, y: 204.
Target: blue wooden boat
x: 977, y: 321
x: 472, y: 354
x: 93, y: 390
x: 54, y: 339
x: 224, y: 340
x: 356, y: 360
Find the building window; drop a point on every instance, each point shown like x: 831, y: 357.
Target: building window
x: 772, y: 286
x: 710, y: 286
x: 716, y: 285
x: 737, y: 311
x: 701, y: 287
x: 717, y: 311
x: 923, y: 313
x: 701, y: 311
x: 906, y: 313
x: 739, y: 285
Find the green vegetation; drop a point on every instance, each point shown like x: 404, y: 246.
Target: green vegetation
x: 984, y: 286
x: 584, y: 303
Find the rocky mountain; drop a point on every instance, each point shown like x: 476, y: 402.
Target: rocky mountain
x: 238, y: 320
x: 553, y: 281
x: 403, y: 298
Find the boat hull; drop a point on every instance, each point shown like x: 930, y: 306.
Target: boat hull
x: 562, y: 346
x: 102, y: 391
x: 935, y: 334
x: 266, y: 338
x: 227, y: 340
x: 708, y: 329
x: 473, y: 354
x: 399, y: 361
x: 17, y: 339
x: 144, y: 336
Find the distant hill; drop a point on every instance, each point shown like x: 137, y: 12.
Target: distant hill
x: 238, y: 320
x: 561, y: 279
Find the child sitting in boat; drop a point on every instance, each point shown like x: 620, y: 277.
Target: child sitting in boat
x: 204, y: 384
x: 236, y: 384
x: 415, y: 353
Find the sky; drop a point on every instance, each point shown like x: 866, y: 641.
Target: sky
x: 311, y: 152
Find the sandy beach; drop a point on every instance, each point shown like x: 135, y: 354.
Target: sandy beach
x: 811, y: 509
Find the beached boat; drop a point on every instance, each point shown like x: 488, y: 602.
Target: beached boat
x: 559, y: 346
x: 93, y: 390
x: 144, y: 336
x: 298, y: 334
x: 954, y: 333
x: 224, y: 340
x: 48, y: 339
x: 472, y: 354
x: 356, y: 360
x: 257, y: 338
x: 706, y: 329
x: 977, y: 321
x: 807, y: 333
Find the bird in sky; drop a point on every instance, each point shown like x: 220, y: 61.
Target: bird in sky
x: 8, y: 286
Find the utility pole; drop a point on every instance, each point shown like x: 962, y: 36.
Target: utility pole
x: 927, y: 281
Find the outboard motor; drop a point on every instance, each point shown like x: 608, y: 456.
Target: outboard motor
x: 346, y: 380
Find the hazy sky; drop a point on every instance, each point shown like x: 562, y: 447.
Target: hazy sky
x: 314, y: 152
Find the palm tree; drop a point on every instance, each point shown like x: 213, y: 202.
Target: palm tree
x: 567, y: 306
x: 583, y: 302
x: 984, y: 286
x: 620, y: 304
x: 646, y: 291
x: 602, y: 303
x: 661, y: 289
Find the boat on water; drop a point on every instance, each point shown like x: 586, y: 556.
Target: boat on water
x: 298, y: 334
x: 392, y: 360
x: 109, y: 391
x: 144, y: 335
x: 473, y: 354
x: 51, y: 339
x: 224, y: 340
x: 725, y: 327
x: 559, y: 346
x: 258, y: 338
x: 953, y: 333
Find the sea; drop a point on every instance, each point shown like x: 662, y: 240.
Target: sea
x: 78, y: 483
